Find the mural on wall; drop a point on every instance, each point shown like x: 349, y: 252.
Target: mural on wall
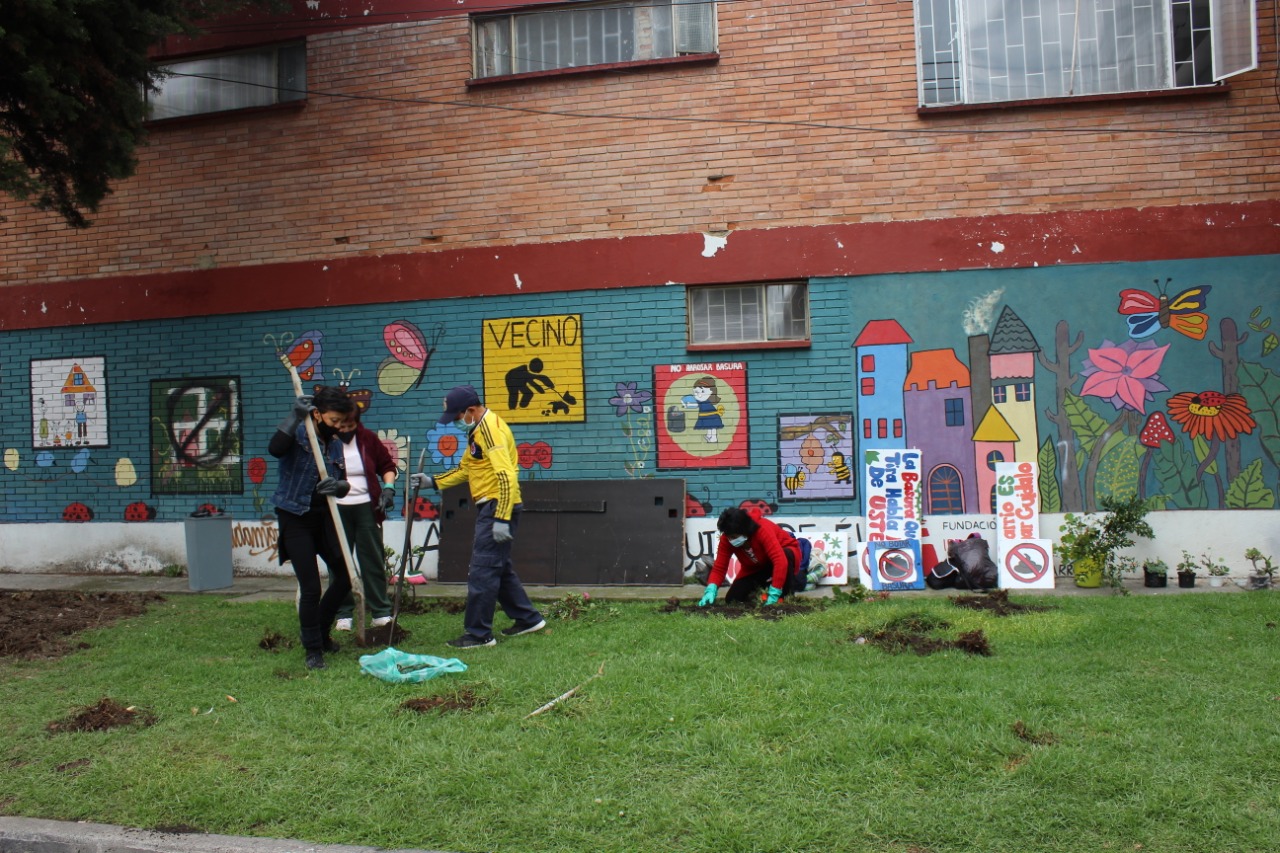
x: 196, y: 436
x: 701, y: 415
x: 629, y: 402
x: 815, y: 456
x: 533, y: 368
x: 303, y: 352
x: 362, y: 397
x: 69, y: 402
x: 409, y: 355
x: 1156, y: 406
x: 535, y: 457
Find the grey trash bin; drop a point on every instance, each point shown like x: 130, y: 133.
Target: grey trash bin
x: 208, y: 550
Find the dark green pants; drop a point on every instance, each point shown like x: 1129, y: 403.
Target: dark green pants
x: 365, y: 538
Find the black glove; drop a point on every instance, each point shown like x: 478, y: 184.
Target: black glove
x: 332, y: 486
x: 301, y: 408
x: 388, y: 499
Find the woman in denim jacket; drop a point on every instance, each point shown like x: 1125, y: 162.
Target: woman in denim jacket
x: 306, y: 525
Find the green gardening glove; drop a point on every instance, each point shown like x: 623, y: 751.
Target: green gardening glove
x: 772, y: 596
x: 709, y: 597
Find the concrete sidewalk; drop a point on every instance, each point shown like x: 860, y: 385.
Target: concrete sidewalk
x: 30, y: 835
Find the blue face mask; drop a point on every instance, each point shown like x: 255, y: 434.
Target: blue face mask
x: 738, y: 541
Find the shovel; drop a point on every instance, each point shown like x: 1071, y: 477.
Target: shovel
x: 409, y: 506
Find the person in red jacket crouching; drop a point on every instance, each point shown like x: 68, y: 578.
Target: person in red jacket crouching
x: 768, y: 556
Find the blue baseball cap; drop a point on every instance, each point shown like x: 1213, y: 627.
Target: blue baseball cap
x: 457, y: 401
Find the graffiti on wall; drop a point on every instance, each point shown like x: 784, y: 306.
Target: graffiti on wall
x: 815, y: 456
x: 533, y: 368
x: 633, y: 406
x: 701, y: 415
x: 196, y: 436
x: 1168, y: 402
x: 69, y: 402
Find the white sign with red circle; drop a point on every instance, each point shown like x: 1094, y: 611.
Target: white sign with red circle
x: 1027, y: 564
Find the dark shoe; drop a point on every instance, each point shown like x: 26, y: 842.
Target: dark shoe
x: 315, y: 660
x: 331, y: 647
x: 466, y: 641
x: 518, y: 629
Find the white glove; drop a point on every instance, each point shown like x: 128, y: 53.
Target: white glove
x: 501, y: 532
x: 422, y: 481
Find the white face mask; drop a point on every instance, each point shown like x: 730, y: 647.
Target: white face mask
x: 469, y: 426
x: 738, y: 541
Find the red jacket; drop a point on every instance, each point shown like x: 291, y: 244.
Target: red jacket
x: 377, y: 462
x: 766, y: 549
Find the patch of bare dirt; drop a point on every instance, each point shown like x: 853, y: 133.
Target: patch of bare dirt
x: 1039, y: 738
x: 274, y: 641
x: 105, y: 714
x: 771, y: 613
x: 997, y: 602
x: 918, y: 633
x: 381, y: 636
x: 463, y: 700
x: 39, y: 623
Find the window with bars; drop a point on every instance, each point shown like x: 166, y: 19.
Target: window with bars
x: 232, y: 81
x: 589, y: 34
x: 987, y: 51
x: 749, y: 314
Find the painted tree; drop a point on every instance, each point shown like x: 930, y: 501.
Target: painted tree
x: 1228, y: 352
x: 1060, y: 367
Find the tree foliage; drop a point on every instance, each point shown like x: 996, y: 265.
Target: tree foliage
x: 73, y: 74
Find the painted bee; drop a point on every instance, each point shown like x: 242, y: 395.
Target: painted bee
x: 840, y: 468
x: 793, y: 478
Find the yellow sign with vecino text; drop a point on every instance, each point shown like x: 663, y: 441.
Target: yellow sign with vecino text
x: 533, y: 368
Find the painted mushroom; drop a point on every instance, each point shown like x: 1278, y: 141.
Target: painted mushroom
x: 1155, y: 431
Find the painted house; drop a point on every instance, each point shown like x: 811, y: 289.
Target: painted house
x: 940, y: 422
x: 809, y: 205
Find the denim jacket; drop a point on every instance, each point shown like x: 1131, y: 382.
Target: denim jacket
x: 298, y: 477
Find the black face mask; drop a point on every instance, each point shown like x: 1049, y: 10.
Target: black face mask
x: 325, y: 431
x: 346, y: 437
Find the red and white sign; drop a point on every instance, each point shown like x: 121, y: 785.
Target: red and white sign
x: 1027, y: 564
x: 1017, y: 504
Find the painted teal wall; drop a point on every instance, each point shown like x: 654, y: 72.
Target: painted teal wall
x: 626, y: 332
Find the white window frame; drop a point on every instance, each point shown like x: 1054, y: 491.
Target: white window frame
x: 226, y: 82
x: 1110, y: 47
x: 768, y: 313
x: 586, y: 34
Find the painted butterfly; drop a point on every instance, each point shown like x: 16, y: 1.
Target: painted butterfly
x: 1147, y: 313
x: 362, y: 397
x: 403, y: 370
x: 303, y: 352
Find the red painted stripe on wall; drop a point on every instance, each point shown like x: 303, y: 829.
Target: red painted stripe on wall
x: 995, y: 242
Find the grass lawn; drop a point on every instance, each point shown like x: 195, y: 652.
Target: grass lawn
x: 1145, y: 723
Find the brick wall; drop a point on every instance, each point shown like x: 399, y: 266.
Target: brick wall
x: 446, y: 168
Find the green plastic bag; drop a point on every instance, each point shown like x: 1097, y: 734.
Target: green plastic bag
x: 399, y: 667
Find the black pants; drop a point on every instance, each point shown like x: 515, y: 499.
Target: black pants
x: 305, y: 539
x: 747, y: 587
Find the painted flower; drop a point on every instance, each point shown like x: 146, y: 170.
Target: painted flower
x: 1124, y: 374
x: 1212, y: 414
x: 257, y: 470
x: 629, y: 399
x: 397, y: 446
x: 446, y: 442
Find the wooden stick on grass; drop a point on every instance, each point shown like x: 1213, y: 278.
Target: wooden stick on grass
x: 565, y: 695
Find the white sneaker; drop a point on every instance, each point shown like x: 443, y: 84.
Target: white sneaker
x: 344, y: 625
x: 379, y: 621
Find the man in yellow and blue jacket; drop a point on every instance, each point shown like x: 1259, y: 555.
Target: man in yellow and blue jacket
x: 489, y: 466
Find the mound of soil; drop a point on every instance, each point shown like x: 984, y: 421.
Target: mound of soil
x: 37, y: 623
x: 916, y: 632
x: 106, y: 714
x: 463, y: 700
x: 737, y: 611
x: 380, y: 636
x: 274, y: 641
x: 997, y: 602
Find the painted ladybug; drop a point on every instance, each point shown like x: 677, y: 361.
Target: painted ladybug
x: 425, y: 509
x: 77, y: 512
x: 694, y: 508
x: 758, y: 505
x: 138, y: 511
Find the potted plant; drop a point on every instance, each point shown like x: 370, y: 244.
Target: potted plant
x: 1216, y: 568
x: 1262, y: 574
x: 1089, y: 542
x: 1155, y: 573
x: 1187, y: 571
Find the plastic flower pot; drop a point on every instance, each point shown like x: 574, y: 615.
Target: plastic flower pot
x: 1155, y: 579
x: 1186, y: 580
x: 1088, y: 572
